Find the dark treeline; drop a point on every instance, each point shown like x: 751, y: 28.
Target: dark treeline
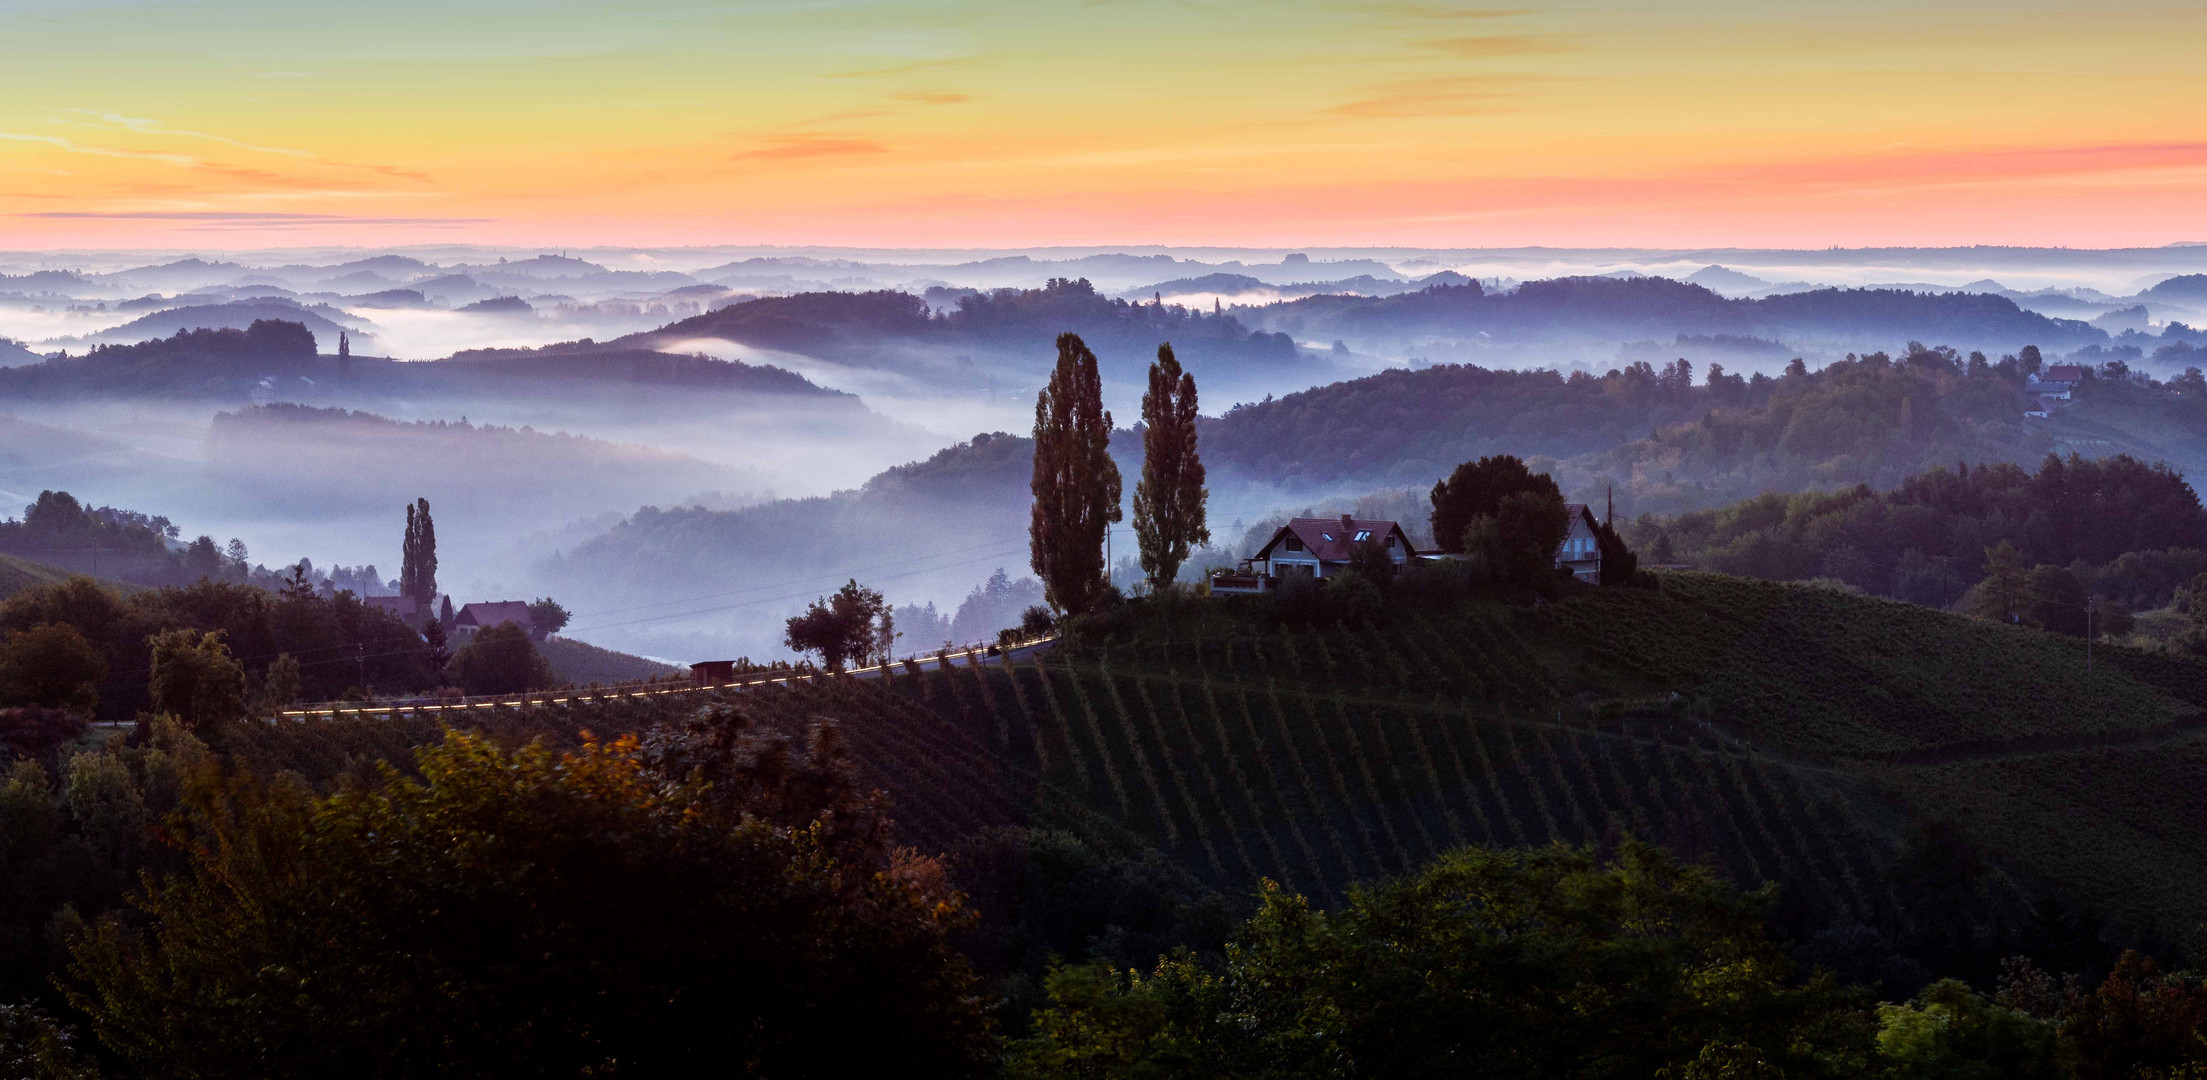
x: 336, y: 644
x: 1669, y: 439
x: 1596, y: 307
x: 864, y: 327
x: 280, y: 357
x: 2130, y: 531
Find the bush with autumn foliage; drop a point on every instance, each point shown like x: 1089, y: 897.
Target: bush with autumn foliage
x: 705, y: 900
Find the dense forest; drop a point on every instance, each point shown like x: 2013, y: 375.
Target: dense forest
x: 2113, y: 520
x: 1660, y: 441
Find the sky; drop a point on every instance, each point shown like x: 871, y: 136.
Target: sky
x: 228, y: 124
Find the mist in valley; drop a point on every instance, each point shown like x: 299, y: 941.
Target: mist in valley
x: 685, y: 446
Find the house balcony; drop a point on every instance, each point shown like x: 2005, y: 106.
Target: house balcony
x: 1240, y: 583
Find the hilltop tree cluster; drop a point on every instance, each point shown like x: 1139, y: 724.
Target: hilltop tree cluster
x: 2129, y: 531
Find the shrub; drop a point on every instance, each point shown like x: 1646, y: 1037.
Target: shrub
x: 532, y: 913
x: 501, y: 660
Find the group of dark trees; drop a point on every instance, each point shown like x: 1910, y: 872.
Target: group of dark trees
x: 1671, y: 443
x: 117, y: 544
x: 862, y: 327
x: 707, y: 897
x: 852, y: 625
x: 2116, y: 527
x: 1076, y: 485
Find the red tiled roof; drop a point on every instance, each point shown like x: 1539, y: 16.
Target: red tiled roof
x: 492, y: 614
x: 405, y: 607
x: 1329, y: 540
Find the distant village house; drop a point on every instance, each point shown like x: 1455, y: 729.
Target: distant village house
x: 1319, y: 548
x: 482, y: 616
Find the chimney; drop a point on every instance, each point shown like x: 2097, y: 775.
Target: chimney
x: 1348, y: 526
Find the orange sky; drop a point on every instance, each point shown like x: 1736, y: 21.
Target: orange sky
x: 158, y: 123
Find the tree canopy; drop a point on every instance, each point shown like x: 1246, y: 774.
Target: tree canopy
x: 1075, y: 483
x: 604, y: 911
x: 1169, y: 499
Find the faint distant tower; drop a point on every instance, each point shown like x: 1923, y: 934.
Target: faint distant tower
x: 344, y: 358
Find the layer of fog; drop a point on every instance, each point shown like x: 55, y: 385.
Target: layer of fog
x: 494, y: 538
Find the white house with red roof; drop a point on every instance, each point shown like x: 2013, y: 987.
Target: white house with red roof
x: 1316, y: 548
x: 482, y: 616
x: 1319, y: 548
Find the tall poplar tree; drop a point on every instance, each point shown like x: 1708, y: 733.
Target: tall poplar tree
x: 1169, y: 499
x: 417, y: 574
x: 1076, y: 484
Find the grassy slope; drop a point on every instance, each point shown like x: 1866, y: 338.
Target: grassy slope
x: 1780, y: 732
x: 18, y: 574
x: 580, y: 663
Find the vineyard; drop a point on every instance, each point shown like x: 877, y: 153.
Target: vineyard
x: 1781, y: 733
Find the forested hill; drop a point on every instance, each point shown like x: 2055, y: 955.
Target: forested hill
x: 2115, y: 528
x: 282, y: 360
x: 1621, y: 309
x: 1668, y: 444
x: 885, y: 328
x: 933, y: 527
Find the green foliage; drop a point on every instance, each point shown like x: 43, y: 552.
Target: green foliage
x: 534, y: 913
x: 547, y: 616
x: 33, y: 1046
x: 2006, y: 589
x: 1477, y: 489
x: 417, y: 575
x: 500, y: 659
x: 843, y: 627
x: 1924, y: 538
x: 1951, y: 1032
x: 1535, y: 963
x: 1075, y: 483
x: 51, y: 665
x: 1169, y: 499
x: 195, y: 679
x: 280, y: 689
x: 1515, y: 548
x: 2138, y: 1022
x: 334, y: 639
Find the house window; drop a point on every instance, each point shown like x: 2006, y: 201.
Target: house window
x: 1390, y: 541
x: 1294, y: 544
x: 1363, y: 535
x: 1327, y: 537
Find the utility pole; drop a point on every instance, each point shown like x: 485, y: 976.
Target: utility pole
x: 2088, y: 634
x: 360, y: 651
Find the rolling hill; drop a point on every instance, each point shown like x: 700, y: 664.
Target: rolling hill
x: 1921, y: 787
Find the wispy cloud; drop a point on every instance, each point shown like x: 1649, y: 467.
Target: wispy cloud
x: 1434, y: 12
x: 795, y: 147
x: 1456, y: 95
x: 900, y: 69
x: 921, y: 98
x: 108, y: 120
x: 1499, y: 45
x: 243, y: 219
x: 74, y: 147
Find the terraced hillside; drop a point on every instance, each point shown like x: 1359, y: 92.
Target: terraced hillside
x: 1784, y: 733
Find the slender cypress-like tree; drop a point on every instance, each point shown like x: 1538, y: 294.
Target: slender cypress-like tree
x: 417, y: 574
x: 1076, y: 484
x: 1169, y: 499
